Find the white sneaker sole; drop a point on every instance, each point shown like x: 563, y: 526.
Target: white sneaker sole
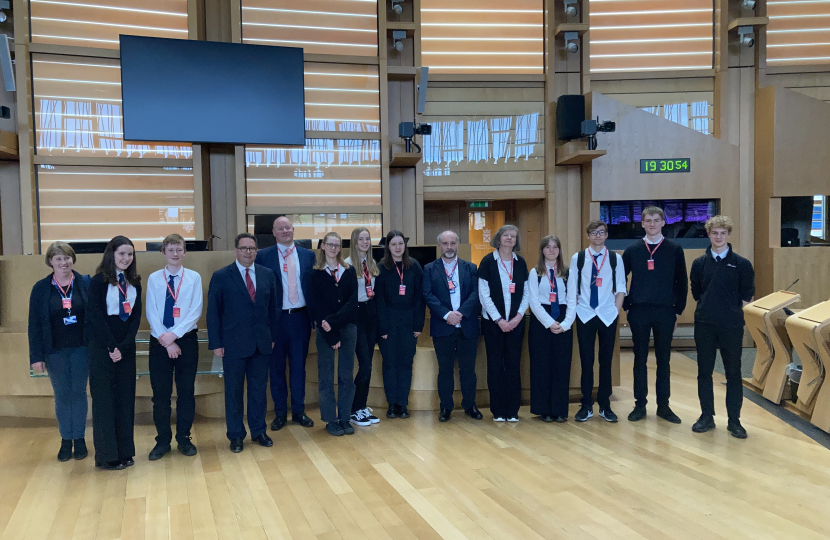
x: 512, y: 419
x: 375, y: 421
x: 360, y: 422
x: 590, y: 415
x: 498, y: 419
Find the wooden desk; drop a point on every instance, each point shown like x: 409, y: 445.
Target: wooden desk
x: 804, y: 329
x: 765, y: 321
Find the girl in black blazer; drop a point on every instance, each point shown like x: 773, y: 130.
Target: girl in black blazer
x: 333, y: 308
x: 113, y: 316
x: 57, y: 342
x: 504, y: 299
x: 400, y: 320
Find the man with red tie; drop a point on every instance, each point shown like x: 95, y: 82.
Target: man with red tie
x: 242, y: 325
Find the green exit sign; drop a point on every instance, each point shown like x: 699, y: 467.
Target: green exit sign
x: 479, y: 204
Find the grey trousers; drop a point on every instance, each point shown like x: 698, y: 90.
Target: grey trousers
x: 333, y: 409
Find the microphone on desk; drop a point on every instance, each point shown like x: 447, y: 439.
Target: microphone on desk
x: 791, y: 284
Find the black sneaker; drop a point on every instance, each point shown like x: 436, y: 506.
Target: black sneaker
x: 668, y: 415
x: 186, y: 447
x: 609, y: 415
x: 736, y: 429
x: 367, y: 413
x: 80, y: 449
x: 705, y: 423
x: 65, y: 453
x: 584, y: 414
x: 347, y: 428
x: 158, y: 451
x: 334, y: 428
x: 637, y: 414
x: 359, y: 419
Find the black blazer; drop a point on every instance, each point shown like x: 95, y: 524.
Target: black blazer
x: 488, y: 270
x: 40, y: 327
x: 270, y: 258
x: 234, y: 322
x: 437, y: 297
x: 390, y: 303
x: 101, y: 328
x: 334, y: 302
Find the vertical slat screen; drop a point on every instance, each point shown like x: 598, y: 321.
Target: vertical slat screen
x: 798, y: 32
x: 97, y: 23
x: 77, y: 102
x: 318, y: 26
x: 651, y: 35
x: 482, y: 36
x: 87, y: 204
x: 323, y: 173
x: 341, y: 97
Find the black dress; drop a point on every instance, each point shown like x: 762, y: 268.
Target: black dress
x: 111, y: 384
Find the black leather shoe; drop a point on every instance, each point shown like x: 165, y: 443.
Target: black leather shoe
x: 278, y: 423
x: 637, y: 414
x: 403, y: 412
x: 80, y: 449
x: 546, y: 418
x: 128, y: 462
x: 705, y: 423
x: 112, y: 465
x: 560, y: 419
x: 236, y: 445
x: 392, y: 412
x: 334, y: 428
x: 347, y: 428
x: 474, y: 413
x: 158, y: 451
x: 65, y: 453
x: 263, y: 440
x: 186, y: 447
x: 736, y: 429
x: 668, y: 415
x: 302, y: 419
x: 444, y: 415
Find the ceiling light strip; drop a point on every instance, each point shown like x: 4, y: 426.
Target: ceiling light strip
x: 95, y: 23
x: 114, y: 8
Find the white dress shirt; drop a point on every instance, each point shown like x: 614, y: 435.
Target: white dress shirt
x: 336, y: 272
x: 579, y: 302
x: 294, y: 259
x: 242, y: 271
x: 361, y: 281
x: 189, y: 301
x: 455, y: 294
x: 490, y: 311
x: 113, y: 301
x: 539, y: 296
x: 722, y: 255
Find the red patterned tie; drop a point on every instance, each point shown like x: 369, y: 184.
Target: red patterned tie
x: 366, y: 275
x: 250, y: 284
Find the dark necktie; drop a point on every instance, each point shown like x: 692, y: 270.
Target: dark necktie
x: 123, y: 315
x: 554, y: 306
x: 249, y: 283
x: 366, y: 275
x: 594, y: 288
x: 718, y: 258
x: 169, y: 302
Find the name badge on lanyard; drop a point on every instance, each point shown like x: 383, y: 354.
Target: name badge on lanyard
x: 126, y: 303
x: 599, y: 282
x: 127, y: 307
x: 402, y: 290
x: 67, y: 303
x: 651, y: 264
x: 651, y: 252
x: 512, y: 288
x: 369, y: 292
x: 177, y: 311
x: 552, y: 297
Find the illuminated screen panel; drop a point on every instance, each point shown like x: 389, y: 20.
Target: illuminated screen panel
x: 94, y: 204
x: 482, y: 36
x: 347, y: 27
x: 323, y: 173
x: 798, y: 32
x: 651, y: 35
x: 98, y: 23
x: 341, y: 97
x: 77, y: 102
x: 314, y: 226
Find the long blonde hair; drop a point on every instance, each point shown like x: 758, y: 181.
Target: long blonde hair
x: 354, y: 253
x: 541, y: 269
x: 321, y: 255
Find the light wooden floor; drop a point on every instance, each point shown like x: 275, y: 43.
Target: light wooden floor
x: 420, y: 479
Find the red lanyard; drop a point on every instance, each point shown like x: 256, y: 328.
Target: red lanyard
x: 64, y: 294
x: 509, y: 272
x: 123, y: 291
x: 604, y: 257
x: 285, y: 257
x: 450, y: 274
x: 547, y: 275
x: 651, y: 251
x: 400, y: 272
x: 167, y: 282
x: 334, y: 274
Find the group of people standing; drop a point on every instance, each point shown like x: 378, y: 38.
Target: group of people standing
x: 262, y: 308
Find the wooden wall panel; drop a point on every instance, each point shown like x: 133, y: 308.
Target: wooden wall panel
x: 798, y: 33
x: 341, y: 97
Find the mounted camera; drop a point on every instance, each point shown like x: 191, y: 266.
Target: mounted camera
x: 590, y: 128
x: 407, y: 130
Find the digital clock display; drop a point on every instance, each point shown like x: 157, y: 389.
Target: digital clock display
x: 665, y: 165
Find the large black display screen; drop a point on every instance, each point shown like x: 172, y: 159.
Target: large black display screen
x: 209, y: 92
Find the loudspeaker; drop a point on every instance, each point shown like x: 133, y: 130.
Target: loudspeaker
x: 570, y: 112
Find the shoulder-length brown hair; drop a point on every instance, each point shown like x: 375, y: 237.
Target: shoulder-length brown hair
x: 107, y: 267
x: 541, y: 267
x: 321, y: 255
x: 496, y: 241
x: 354, y: 253
x: 387, y: 260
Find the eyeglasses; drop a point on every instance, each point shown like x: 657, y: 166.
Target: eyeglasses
x: 247, y: 249
x: 331, y: 246
x: 598, y: 233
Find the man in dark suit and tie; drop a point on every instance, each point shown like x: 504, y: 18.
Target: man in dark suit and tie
x: 451, y: 292
x: 242, y: 324
x: 292, y: 267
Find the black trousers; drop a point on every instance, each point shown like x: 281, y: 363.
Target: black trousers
x: 367, y: 337
x: 708, y: 339
x: 398, y: 350
x: 550, y: 369
x: 447, y: 349
x: 504, y: 355
x: 238, y: 371
x: 586, y: 335
x: 112, y: 387
x: 643, y: 320
x: 163, y: 369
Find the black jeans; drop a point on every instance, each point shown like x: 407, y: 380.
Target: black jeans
x: 550, y: 369
x: 162, y: 371
x: 504, y: 355
x: 644, y: 320
x: 586, y: 335
x: 708, y: 339
x: 398, y: 350
x: 367, y: 337
x: 447, y: 349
